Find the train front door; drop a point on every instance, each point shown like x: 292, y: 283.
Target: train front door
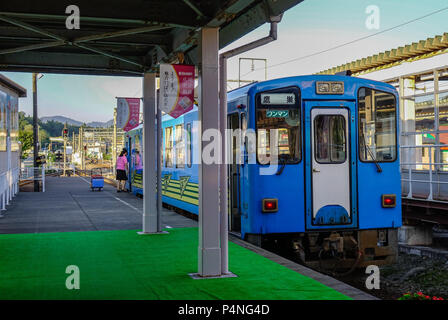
x: 331, y: 166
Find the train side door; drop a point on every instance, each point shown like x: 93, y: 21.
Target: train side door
x: 234, y: 172
x: 330, y: 167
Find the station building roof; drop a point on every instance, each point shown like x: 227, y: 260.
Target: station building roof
x: 387, y: 59
x: 119, y: 37
x: 8, y: 83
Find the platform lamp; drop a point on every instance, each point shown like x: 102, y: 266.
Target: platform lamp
x: 36, y: 76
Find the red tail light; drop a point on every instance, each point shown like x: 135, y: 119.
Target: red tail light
x: 388, y: 200
x: 270, y: 205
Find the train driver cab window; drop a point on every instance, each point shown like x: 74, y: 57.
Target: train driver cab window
x: 330, y: 140
x: 278, y: 117
x: 377, y: 126
x: 180, y: 146
x: 169, y: 147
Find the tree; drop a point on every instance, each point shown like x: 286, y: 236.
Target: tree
x: 26, y: 138
x: 44, y: 137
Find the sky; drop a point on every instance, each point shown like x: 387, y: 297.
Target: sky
x: 306, y: 29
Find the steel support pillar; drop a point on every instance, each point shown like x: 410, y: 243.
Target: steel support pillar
x: 209, y: 251
x: 159, y: 166
x: 35, y: 133
x: 151, y: 215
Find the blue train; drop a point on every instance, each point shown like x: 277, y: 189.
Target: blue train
x: 335, y: 192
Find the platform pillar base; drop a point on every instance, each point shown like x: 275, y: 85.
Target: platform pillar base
x: 197, y: 276
x: 148, y: 233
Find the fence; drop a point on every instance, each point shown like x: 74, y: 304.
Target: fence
x: 30, y: 174
x: 9, y: 186
x: 428, y: 184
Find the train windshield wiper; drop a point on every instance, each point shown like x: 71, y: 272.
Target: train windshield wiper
x: 282, y: 159
x: 378, y: 167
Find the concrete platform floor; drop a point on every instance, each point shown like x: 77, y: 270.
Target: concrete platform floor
x: 69, y: 205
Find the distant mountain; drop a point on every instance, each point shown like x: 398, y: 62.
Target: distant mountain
x: 98, y: 124
x: 62, y: 119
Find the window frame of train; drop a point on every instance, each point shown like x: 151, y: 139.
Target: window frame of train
x: 168, y: 147
x: 179, y: 145
x: 331, y: 137
x: 278, y: 109
x: 189, y: 154
x: 361, y: 136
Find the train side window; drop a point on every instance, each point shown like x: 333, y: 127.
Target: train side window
x: 189, y: 146
x: 169, y: 147
x: 377, y: 126
x: 180, y: 146
x: 329, y: 139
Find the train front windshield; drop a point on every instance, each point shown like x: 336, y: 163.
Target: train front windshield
x: 278, y: 125
x: 377, y: 126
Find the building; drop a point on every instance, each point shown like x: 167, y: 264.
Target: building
x: 10, y: 92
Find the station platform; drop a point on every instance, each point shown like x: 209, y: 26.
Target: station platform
x: 69, y: 205
x: 97, y: 232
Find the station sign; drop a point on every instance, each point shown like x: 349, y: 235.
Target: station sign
x: 176, y: 89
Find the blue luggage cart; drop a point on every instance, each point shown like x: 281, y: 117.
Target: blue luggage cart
x: 96, y: 181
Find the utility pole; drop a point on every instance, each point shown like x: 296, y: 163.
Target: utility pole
x: 81, y: 146
x: 35, y: 134
x: 78, y: 149
x: 114, y: 143
x: 64, y: 135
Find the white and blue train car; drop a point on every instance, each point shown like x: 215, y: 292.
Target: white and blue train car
x: 179, y: 166
x: 336, y: 191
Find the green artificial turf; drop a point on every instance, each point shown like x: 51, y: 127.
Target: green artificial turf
x: 124, y: 265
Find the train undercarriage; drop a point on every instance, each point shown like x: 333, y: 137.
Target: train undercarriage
x: 336, y: 252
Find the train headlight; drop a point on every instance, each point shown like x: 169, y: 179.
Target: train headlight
x: 329, y: 87
x: 270, y: 205
x: 388, y: 200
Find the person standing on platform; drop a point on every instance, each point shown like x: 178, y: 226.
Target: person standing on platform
x: 138, y: 161
x: 122, y: 167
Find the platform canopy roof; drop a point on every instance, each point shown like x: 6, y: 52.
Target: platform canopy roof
x: 390, y: 58
x: 119, y: 37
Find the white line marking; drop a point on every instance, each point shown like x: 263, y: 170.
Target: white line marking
x: 122, y: 201
x: 84, y: 179
x: 129, y: 205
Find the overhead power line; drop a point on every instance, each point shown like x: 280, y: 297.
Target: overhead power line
x: 351, y: 42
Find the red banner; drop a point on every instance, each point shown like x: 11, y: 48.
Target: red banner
x: 128, y: 113
x: 176, y: 89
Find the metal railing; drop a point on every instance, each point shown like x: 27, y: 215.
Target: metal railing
x: 432, y: 170
x: 9, y: 186
x: 29, y: 174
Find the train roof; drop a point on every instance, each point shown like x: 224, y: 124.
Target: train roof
x: 236, y: 93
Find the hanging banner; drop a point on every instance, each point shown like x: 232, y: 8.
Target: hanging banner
x: 176, y: 89
x: 128, y: 113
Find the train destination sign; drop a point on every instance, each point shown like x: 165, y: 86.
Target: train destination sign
x: 278, y: 98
